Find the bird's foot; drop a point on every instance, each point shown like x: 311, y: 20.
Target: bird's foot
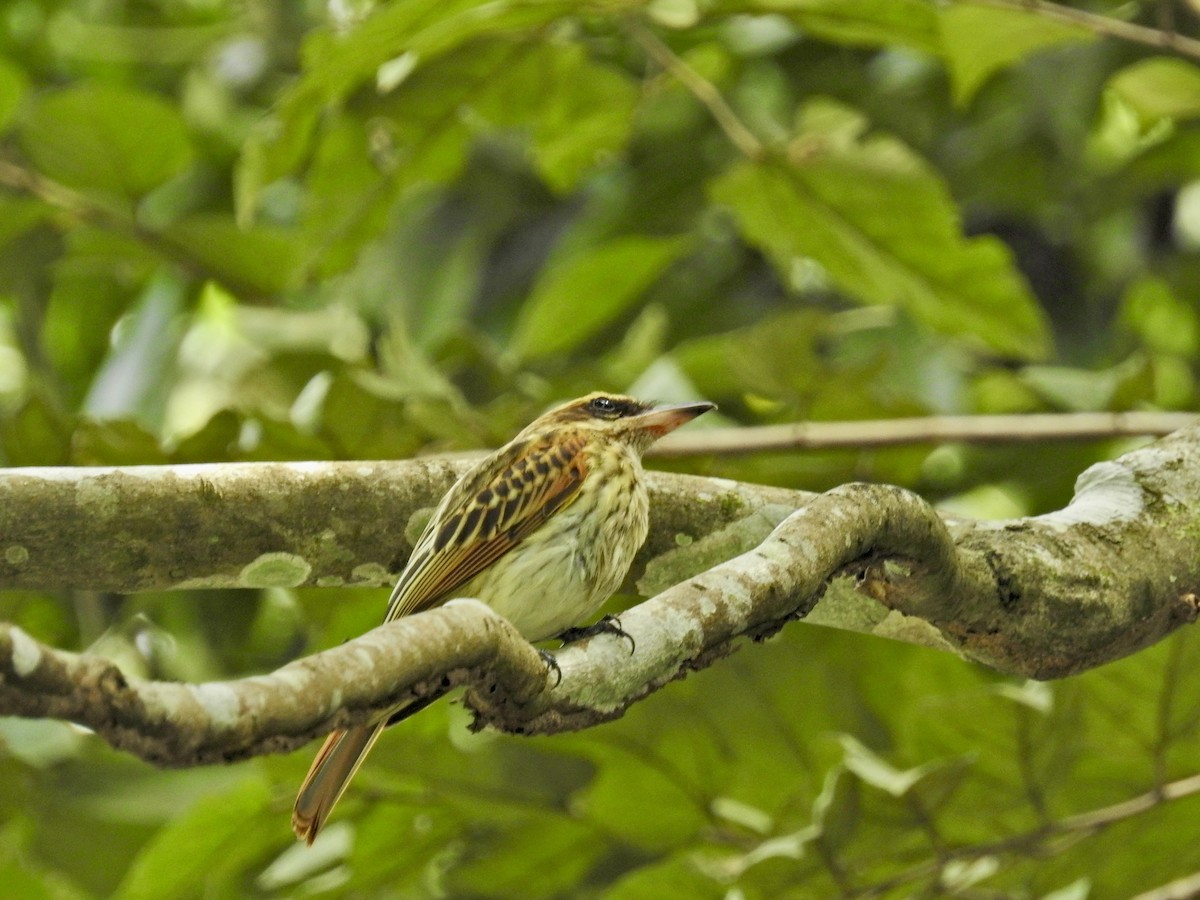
x: 551, y: 665
x: 606, y: 625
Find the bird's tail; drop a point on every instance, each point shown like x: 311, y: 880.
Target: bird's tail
x: 339, y: 758
x: 337, y: 761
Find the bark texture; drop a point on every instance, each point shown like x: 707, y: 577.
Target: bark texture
x: 1114, y: 571
x: 249, y: 525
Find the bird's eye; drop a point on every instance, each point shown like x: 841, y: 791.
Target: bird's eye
x: 604, y: 406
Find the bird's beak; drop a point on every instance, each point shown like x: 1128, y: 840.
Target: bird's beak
x: 665, y: 419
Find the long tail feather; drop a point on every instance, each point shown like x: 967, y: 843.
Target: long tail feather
x: 336, y: 762
x: 339, y: 758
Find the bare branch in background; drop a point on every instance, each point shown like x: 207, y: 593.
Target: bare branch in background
x: 1013, y: 429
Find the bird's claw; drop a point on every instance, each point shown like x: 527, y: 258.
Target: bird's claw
x: 551, y: 665
x: 606, y: 625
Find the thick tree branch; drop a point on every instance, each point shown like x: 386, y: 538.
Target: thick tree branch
x: 246, y: 525
x: 1116, y: 570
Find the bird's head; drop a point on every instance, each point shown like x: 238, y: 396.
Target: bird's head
x: 615, y: 417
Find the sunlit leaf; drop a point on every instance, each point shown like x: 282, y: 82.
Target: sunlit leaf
x: 911, y: 23
x: 977, y: 41
x: 1161, y: 320
x: 18, y: 215
x: 115, y: 140
x: 13, y: 83
x: 177, y: 860
x: 256, y: 260
x: 1160, y: 88
x: 337, y: 63
x: 582, y: 294
x: 880, y: 222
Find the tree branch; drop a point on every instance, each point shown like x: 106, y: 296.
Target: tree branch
x: 84, y: 208
x: 1044, y: 840
x: 1047, y: 596
x: 1100, y: 24
x: 253, y: 525
x: 1009, y: 429
x: 699, y: 87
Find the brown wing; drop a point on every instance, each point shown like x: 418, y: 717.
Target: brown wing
x: 488, y: 513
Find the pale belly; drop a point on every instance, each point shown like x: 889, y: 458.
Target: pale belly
x: 561, y: 575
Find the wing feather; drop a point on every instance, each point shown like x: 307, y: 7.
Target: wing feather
x: 486, y: 514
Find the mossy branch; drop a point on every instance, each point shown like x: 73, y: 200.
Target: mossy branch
x: 1113, y: 572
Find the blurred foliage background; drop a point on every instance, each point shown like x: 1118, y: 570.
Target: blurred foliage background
x: 355, y: 229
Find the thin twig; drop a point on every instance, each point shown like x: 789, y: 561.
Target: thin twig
x: 1180, y: 889
x: 1014, y: 429
x: 700, y: 87
x: 88, y: 209
x: 1098, y: 24
x: 1071, y: 826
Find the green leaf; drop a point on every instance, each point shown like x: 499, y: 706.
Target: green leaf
x: 636, y: 778
x: 35, y: 436
x: 116, y: 443
x: 1161, y: 321
x: 337, y: 63
x: 582, y: 110
x: 113, y: 140
x: 362, y: 424
x: 563, y: 110
x: 880, y: 224
x: 579, y: 296
x: 674, y: 877
x: 20, y: 879
x: 871, y: 23
x: 18, y: 215
x: 531, y: 856
x: 978, y: 41
x: 1083, y: 390
x: 416, y: 34
x: 275, y: 146
x: 259, y: 260
x: 1159, y: 88
x: 12, y: 88
x: 177, y: 860
x: 96, y: 281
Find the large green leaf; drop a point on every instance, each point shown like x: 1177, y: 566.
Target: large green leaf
x: 883, y: 228
x: 407, y: 37
x: 185, y: 853
x: 978, y: 41
x: 533, y: 856
x: 337, y: 63
x: 18, y: 215
x: 570, y: 111
x: 1159, y: 88
x: 12, y: 87
x: 576, y: 110
x: 873, y: 23
x: 259, y: 260
x: 117, y: 141
x: 582, y: 294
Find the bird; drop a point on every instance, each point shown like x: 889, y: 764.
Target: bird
x: 543, y: 531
